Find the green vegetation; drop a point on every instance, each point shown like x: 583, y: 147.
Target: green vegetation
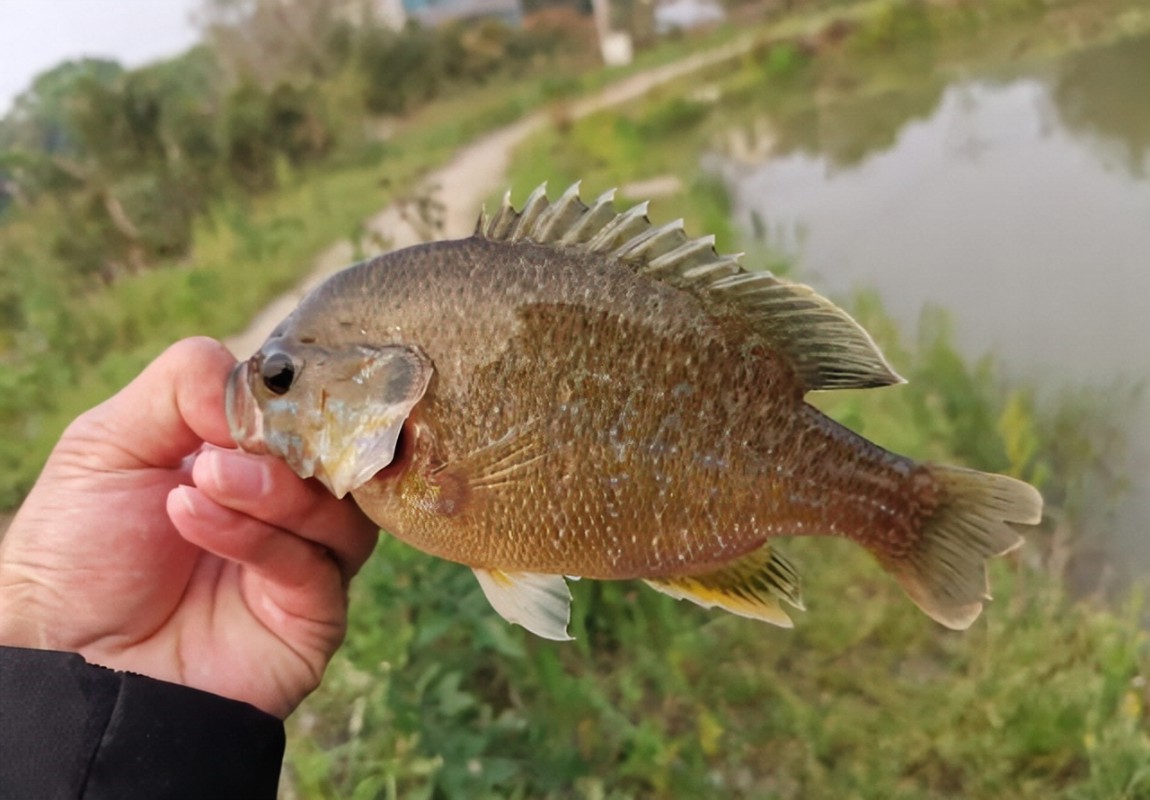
x: 434, y: 695
x: 67, y: 347
x: 150, y: 204
x: 140, y: 206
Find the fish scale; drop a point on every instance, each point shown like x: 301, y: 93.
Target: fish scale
x: 575, y: 392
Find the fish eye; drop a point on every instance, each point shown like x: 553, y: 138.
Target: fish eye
x: 277, y: 372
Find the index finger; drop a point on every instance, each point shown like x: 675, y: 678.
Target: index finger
x: 266, y: 489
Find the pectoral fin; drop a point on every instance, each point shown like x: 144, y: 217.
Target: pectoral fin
x: 540, y: 603
x: 505, y: 460
x: 751, y: 587
x: 494, y: 468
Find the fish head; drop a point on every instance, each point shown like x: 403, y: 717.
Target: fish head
x: 334, y: 413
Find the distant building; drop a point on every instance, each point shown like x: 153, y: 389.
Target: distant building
x: 432, y: 13
x: 685, y: 15
x: 616, y: 49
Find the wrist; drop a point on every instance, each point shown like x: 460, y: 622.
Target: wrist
x: 16, y: 628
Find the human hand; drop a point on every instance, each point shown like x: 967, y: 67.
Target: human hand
x: 236, y: 585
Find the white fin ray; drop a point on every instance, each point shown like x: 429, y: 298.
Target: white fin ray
x: 699, y: 251
x: 616, y: 233
x: 558, y: 218
x: 497, y: 226
x: 653, y: 242
x: 533, y: 209
x: 540, y: 603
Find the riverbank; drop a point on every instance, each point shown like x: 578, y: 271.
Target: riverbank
x: 434, y: 696
x: 1045, y: 697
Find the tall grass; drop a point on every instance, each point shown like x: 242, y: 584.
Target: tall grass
x: 84, y: 345
x: 434, y: 696
x: 245, y: 252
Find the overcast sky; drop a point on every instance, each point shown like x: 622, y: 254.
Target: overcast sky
x: 38, y: 34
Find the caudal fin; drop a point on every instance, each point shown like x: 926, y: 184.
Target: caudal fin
x: 946, y: 574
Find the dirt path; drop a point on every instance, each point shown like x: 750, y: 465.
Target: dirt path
x: 459, y: 187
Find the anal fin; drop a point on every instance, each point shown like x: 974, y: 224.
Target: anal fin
x: 751, y: 587
x: 540, y: 603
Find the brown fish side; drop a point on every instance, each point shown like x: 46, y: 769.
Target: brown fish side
x: 655, y: 451
x: 611, y: 400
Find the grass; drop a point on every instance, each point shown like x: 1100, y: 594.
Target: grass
x: 81, y: 349
x: 434, y: 696
x: 245, y: 252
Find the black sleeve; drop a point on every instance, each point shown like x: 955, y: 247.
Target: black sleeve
x: 69, y: 729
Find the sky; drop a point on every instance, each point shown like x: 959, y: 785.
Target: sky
x: 38, y: 34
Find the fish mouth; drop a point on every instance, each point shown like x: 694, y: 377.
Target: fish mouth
x: 245, y: 420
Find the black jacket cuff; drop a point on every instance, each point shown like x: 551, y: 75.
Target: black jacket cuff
x: 69, y: 729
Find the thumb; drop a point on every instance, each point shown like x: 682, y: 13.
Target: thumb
x: 166, y: 413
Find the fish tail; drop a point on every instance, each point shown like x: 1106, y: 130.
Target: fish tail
x: 945, y: 572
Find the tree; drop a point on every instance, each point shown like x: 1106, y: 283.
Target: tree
x: 272, y: 42
x: 39, y: 119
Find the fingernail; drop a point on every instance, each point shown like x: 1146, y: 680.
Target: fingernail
x: 238, y: 474
x: 183, y: 496
x: 196, y: 505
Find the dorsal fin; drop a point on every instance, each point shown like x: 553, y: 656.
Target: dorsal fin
x: 826, y: 347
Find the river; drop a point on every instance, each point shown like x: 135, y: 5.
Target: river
x: 1015, y: 197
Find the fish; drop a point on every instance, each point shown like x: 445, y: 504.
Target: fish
x: 576, y: 392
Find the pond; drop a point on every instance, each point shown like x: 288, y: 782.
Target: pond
x: 1016, y: 197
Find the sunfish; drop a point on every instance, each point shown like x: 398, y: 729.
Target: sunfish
x: 574, y: 392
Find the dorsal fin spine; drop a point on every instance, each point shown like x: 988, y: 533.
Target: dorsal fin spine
x: 825, y: 346
x: 621, y: 229
x: 699, y: 251
x: 561, y: 214
x: 496, y: 228
x: 594, y: 217
x: 654, y: 242
x: 532, y: 211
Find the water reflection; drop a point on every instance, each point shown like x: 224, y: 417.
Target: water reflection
x: 845, y: 132
x: 1104, y: 96
x: 1020, y: 204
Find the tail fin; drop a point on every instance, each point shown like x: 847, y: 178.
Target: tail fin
x: 946, y: 574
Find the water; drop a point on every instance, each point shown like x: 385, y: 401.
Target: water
x: 1021, y: 204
